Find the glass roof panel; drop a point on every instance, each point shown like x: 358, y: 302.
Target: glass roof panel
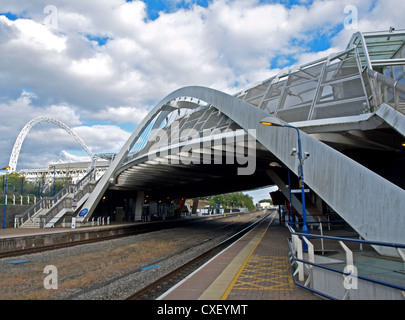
x: 384, y: 45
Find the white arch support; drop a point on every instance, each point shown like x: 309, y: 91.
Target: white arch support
x: 20, y: 139
x: 353, y: 191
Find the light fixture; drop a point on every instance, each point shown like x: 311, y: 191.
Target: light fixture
x: 266, y: 123
x: 273, y: 121
x: 274, y: 164
x: 276, y: 122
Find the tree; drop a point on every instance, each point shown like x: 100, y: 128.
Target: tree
x: 266, y: 200
x: 231, y: 200
x: 17, y: 185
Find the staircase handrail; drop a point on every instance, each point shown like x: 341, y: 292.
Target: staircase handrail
x: 78, y: 189
x: 44, y: 203
x: 385, y: 90
x: 65, y: 203
x: 309, y: 262
x: 49, y: 202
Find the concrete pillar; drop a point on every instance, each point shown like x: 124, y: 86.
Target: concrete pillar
x: 181, y: 205
x: 195, y: 205
x: 140, y: 197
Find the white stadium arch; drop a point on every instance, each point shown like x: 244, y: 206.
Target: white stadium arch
x: 20, y: 139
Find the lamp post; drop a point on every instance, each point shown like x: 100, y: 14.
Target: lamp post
x: 5, y: 198
x: 54, y: 172
x: 5, y: 204
x: 272, y: 121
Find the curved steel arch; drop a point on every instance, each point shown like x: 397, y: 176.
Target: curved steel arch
x: 359, y: 36
x: 350, y: 189
x: 23, y: 133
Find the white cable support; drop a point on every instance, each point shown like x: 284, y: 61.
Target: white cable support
x: 23, y: 133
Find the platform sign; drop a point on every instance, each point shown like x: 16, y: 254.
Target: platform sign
x: 83, y: 212
x: 299, y: 190
x: 73, y: 222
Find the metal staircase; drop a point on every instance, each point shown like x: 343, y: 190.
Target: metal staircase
x: 47, y: 212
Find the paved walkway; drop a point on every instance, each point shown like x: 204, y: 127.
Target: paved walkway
x: 254, y: 268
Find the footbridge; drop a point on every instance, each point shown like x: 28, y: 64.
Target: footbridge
x: 349, y: 108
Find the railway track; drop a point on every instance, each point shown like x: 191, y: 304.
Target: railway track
x: 148, y: 227
x: 161, y: 285
x: 27, y: 251
x: 112, y: 268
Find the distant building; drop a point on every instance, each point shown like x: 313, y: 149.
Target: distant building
x: 65, y: 170
x: 265, y: 205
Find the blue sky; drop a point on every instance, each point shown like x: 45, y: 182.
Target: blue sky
x: 154, y: 7
x: 106, y: 63
x: 10, y: 16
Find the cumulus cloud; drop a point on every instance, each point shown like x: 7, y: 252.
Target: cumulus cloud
x: 102, y: 138
x: 122, y: 115
x: 68, y: 157
x: 109, y: 61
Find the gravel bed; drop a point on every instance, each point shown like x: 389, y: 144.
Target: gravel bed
x: 126, y: 285
x: 111, y: 270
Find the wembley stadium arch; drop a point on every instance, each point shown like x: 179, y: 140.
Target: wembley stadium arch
x: 26, y: 129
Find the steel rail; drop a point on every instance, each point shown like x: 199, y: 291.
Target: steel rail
x: 138, y: 229
x: 154, y: 289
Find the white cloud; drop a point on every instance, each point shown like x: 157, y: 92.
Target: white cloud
x: 102, y: 138
x: 37, y: 36
x: 95, y: 68
x: 122, y: 115
x: 227, y: 46
x: 66, y: 156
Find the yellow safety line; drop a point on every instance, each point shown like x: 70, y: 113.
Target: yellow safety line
x: 252, y: 282
x: 290, y: 279
x: 231, y: 285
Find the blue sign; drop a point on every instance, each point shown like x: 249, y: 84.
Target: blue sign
x: 83, y: 212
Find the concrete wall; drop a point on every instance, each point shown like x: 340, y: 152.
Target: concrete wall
x: 332, y: 284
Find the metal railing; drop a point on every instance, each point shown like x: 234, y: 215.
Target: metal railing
x: 382, y: 89
x: 41, y: 206
x: 65, y: 203
x: 303, y: 264
x: 51, y: 206
x: 100, y: 220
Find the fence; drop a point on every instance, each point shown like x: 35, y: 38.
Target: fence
x: 51, y: 206
x: 382, y: 89
x: 341, y: 279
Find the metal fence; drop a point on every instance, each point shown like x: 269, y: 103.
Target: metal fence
x: 45, y: 209
x: 306, y: 267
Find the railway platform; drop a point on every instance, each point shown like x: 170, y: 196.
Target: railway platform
x: 253, y: 268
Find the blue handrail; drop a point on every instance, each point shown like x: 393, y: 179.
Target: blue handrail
x: 345, y: 239
x: 373, y: 243
x: 301, y: 285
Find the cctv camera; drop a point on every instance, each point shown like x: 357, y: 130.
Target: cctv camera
x: 293, y: 152
x: 306, y: 155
